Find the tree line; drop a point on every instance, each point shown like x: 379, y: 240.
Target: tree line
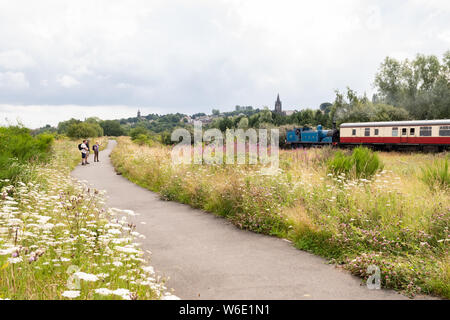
x: 415, y: 89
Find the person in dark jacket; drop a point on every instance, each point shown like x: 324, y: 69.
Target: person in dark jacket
x: 88, y: 151
x: 96, y: 148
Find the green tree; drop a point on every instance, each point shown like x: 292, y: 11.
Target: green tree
x: 352, y: 108
x: 112, y: 128
x: 421, y: 86
x: 384, y: 112
x: 326, y: 107
x: 135, y: 132
x: 225, y: 123
x: 265, y: 116
x: 84, y: 130
x: 93, y: 120
x: 166, y: 138
x: 63, y: 126
x: 243, y: 123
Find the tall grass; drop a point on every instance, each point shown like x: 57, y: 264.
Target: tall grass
x: 390, y: 220
x: 437, y: 174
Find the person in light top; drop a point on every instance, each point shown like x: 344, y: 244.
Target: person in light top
x: 84, y: 151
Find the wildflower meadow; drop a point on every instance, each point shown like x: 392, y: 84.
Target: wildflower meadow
x: 58, y: 240
x: 375, y: 212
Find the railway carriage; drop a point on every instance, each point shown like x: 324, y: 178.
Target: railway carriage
x: 429, y: 135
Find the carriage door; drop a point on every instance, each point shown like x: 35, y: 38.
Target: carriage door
x: 404, y: 135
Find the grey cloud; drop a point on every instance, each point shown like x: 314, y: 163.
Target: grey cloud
x: 190, y: 56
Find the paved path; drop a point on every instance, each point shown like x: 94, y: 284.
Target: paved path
x: 208, y: 258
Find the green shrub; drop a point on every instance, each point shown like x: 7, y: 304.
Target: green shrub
x: 436, y: 175
x: 135, y: 133
x: 141, y: 139
x: 362, y: 163
x: 142, y: 136
x: 18, y: 147
x: 367, y: 162
x: 340, y: 163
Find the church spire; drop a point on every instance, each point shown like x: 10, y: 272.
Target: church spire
x: 278, y: 107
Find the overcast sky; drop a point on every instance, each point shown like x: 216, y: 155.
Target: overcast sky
x: 62, y: 59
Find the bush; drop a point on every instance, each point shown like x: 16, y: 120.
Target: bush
x: 18, y: 147
x: 362, y: 163
x: 166, y: 138
x: 138, y: 131
x: 141, y: 139
x: 436, y: 175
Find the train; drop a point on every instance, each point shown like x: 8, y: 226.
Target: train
x: 424, y: 135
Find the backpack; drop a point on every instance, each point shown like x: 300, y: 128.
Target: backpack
x: 79, y: 146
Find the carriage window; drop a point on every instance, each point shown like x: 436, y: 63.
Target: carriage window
x: 444, y: 131
x: 404, y: 132
x: 354, y: 132
x: 395, y: 132
x: 377, y: 131
x: 367, y: 132
x: 425, y: 131
x: 412, y: 131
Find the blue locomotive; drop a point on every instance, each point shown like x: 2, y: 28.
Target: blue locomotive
x: 309, y: 137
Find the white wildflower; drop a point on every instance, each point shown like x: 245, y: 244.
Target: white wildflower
x: 124, y: 293
x: 126, y: 249
x: 149, y: 269
x: 71, y: 294
x: 15, y: 260
x: 117, y: 263
x: 104, y: 291
x: 86, y: 276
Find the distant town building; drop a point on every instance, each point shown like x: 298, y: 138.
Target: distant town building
x: 187, y: 119
x: 139, y: 113
x: 289, y: 112
x: 243, y: 108
x: 205, y: 119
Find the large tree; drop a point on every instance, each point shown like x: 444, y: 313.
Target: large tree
x: 63, y: 126
x: 421, y: 86
x: 85, y: 130
x: 112, y: 128
x: 350, y: 107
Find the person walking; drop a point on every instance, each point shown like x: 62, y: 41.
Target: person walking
x: 96, y: 148
x: 88, y: 151
x: 83, y: 148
